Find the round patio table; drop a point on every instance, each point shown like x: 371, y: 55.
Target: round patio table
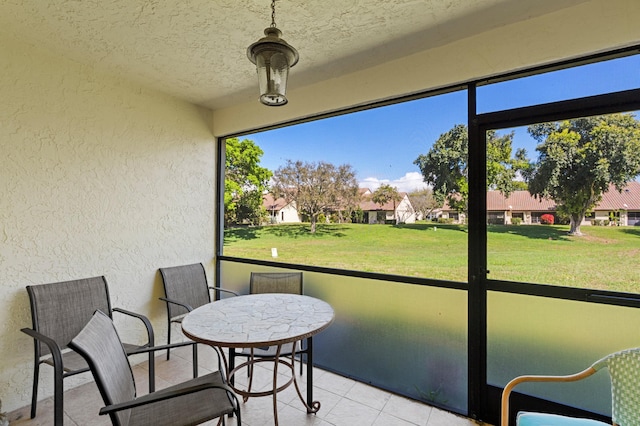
x: 260, y: 320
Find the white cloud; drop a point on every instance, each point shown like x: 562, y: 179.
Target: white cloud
x: 411, y: 181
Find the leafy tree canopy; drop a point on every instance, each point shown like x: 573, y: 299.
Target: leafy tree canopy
x: 423, y: 201
x: 245, y: 182
x: 316, y: 188
x: 445, y: 166
x: 580, y: 158
x: 384, y: 194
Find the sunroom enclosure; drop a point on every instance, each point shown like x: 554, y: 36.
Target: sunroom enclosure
x: 456, y: 344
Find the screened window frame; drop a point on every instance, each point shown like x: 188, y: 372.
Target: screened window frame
x: 482, y: 397
x: 521, y: 116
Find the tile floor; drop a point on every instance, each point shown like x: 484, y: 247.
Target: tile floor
x: 344, y: 402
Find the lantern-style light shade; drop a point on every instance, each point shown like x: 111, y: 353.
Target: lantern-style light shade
x: 273, y: 57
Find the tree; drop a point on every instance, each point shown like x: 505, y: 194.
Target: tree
x: 445, y: 166
x: 423, y: 202
x: 315, y: 188
x: 348, y: 205
x: 579, y: 159
x: 357, y: 215
x: 245, y: 182
x: 384, y: 194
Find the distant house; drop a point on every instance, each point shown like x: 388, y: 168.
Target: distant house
x: 520, y: 204
x: 399, y: 211
x: 446, y: 212
x: 280, y: 210
x: 623, y: 207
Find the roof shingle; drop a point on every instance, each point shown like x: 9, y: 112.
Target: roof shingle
x: 628, y: 199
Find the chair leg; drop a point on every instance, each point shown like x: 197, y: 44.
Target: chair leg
x: 58, y: 397
x: 168, y: 337
x: 152, y: 372
x: 250, y: 372
x: 34, y: 393
x: 301, y: 362
x: 238, y: 414
x: 309, y: 358
x: 302, y: 352
x: 195, y: 360
x: 232, y: 364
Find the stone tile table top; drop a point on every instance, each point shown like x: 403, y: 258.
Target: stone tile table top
x: 257, y: 320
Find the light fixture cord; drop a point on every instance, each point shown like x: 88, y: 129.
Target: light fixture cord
x: 273, y: 13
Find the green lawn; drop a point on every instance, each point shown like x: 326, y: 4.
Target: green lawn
x: 604, y: 258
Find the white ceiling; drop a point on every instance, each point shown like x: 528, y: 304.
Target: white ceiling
x: 196, y: 49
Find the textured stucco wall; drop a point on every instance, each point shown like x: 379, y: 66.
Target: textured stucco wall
x: 590, y: 27
x: 97, y: 177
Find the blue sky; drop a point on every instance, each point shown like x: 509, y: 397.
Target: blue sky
x: 382, y: 143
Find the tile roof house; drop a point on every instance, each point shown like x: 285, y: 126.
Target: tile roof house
x: 520, y: 204
x: 282, y: 211
x: 399, y: 211
x: 621, y: 207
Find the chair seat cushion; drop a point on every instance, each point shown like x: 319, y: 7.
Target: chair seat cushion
x: 542, y: 419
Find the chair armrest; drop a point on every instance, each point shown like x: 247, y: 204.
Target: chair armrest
x: 224, y: 290
x: 145, y: 321
x: 504, y: 417
x: 175, y: 302
x: 176, y: 345
x: 159, y: 348
x: 155, y: 397
x: 54, y: 348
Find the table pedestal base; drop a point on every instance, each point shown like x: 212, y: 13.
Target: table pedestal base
x: 276, y: 361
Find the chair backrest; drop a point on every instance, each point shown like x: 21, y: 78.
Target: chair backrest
x: 276, y: 282
x: 186, y: 284
x: 60, y: 310
x: 624, y: 370
x: 99, y: 344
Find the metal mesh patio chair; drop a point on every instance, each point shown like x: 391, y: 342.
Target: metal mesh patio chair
x: 273, y: 282
x: 624, y: 371
x: 188, y: 403
x: 58, y: 312
x: 186, y: 289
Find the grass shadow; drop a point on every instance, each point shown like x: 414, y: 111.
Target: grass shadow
x: 304, y: 230
x: 240, y: 233
x: 632, y: 231
x: 288, y: 231
x: 431, y: 226
x: 537, y: 232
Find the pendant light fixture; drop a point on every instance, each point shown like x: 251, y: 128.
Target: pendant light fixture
x: 273, y: 57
